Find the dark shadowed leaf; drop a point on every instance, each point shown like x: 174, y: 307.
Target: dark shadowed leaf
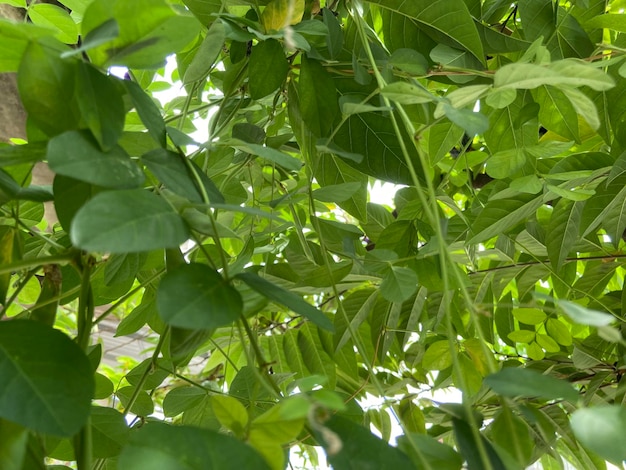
x: 438, y: 455
x: 109, y: 430
x: 268, y: 68
x: 197, y: 297
x: 159, y: 445
x: 48, y: 381
x: 318, y: 97
x: 286, y: 298
x: 349, y: 446
x: 101, y: 105
x: 148, y: 112
x: 46, y: 85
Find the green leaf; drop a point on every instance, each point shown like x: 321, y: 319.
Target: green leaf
x: 556, y: 112
x: 10, y: 190
x: 167, y: 447
x: 148, y: 112
x: 409, y: 61
x: 584, y: 106
x: 279, y: 14
x: 615, y: 221
x: 521, y: 336
x: 529, y: 316
x: 357, y: 307
x: 197, y: 297
x: 547, y: 343
x: 332, y: 171
x: 204, y: 9
x: 506, y: 163
x: 372, y: 135
x: 170, y: 168
x: 501, y: 215
x: 336, y: 192
x: 76, y: 154
x: 318, y: 97
x: 437, y: 454
x: 69, y: 196
x: 48, y: 381
x: 584, y: 315
x: 568, y: 72
x: 276, y: 425
x: 446, y: 21
x: 293, y: 355
x: 181, y: 399
x: 267, y: 69
x: 559, y: 331
x: 46, y: 85
x: 109, y: 432
x: 349, y: 445
x: 438, y: 356
x: 467, y: 441
x: 149, y: 30
x: 539, y: 19
x: 14, y: 40
x: 512, y: 434
x: 398, y: 284
x: 334, y: 39
x: 107, y: 31
x: 204, y: 59
x: 315, y: 358
x: 143, y: 405
x: 607, y: 198
x: 11, y: 155
x: 286, y: 298
x: 527, y: 383
x: 286, y: 161
x: 127, y: 221
x: 563, y: 229
x: 156, y: 372
x: 13, y: 445
x: 616, y: 22
x: 407, y: 93
x: 601, y: 429
x: 231, y: 413
x: 56, y: 18
x: 101, y: 105
x: 473, y: 123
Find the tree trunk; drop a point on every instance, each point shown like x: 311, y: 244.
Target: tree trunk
x: 12, y: 114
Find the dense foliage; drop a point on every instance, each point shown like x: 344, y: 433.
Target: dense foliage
x: 288, y: 311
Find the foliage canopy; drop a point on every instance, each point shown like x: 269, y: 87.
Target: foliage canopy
x: 295, y: 302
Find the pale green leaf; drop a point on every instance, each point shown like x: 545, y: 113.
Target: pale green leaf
x: 584, y: 315
x: 602, y: 430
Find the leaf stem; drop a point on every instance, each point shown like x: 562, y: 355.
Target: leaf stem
x: 83, y: 440
x: 37, y: 262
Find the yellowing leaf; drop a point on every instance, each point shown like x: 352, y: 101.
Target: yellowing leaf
x: 437, y: 356
x: 230, y: 412
x: 521, y: 336
x: 529, y: 316
x: 281, y: 13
